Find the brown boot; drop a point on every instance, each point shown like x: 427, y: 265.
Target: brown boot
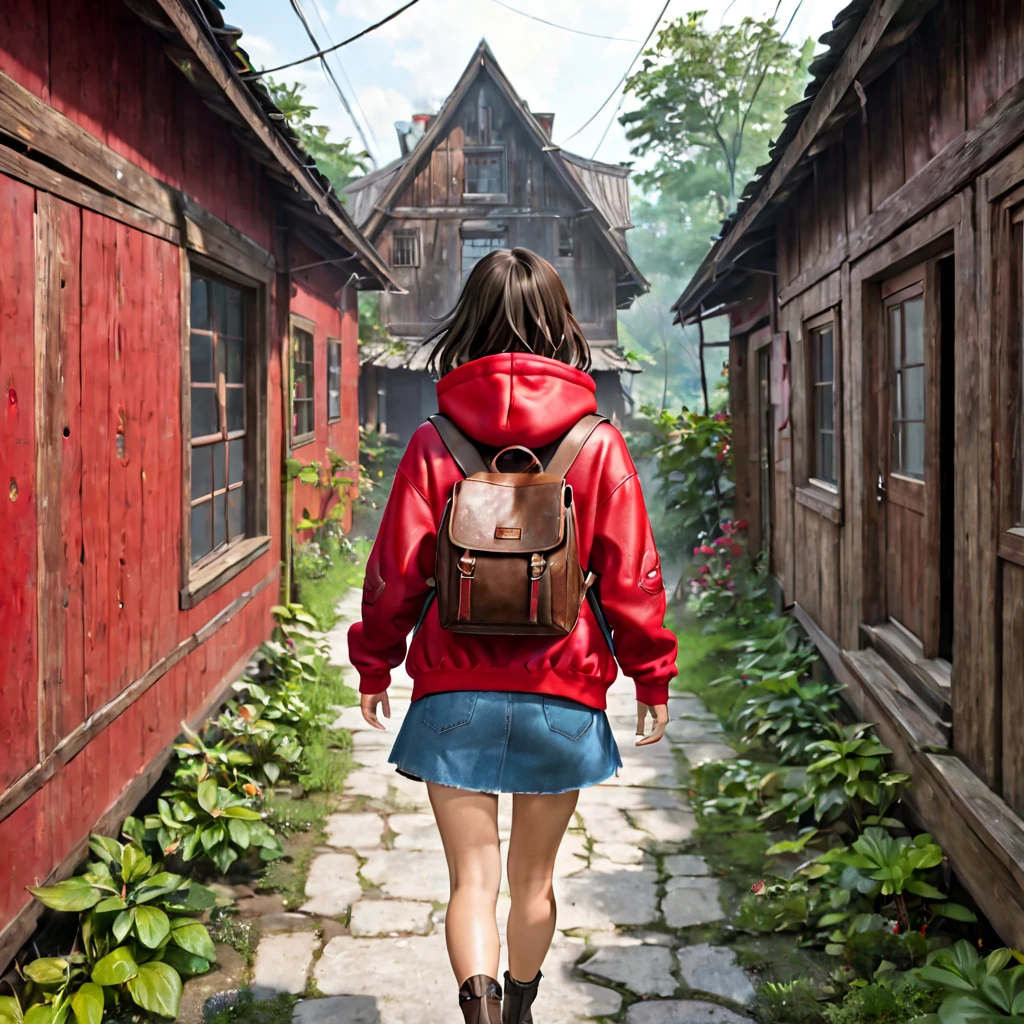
x: 480, y: 1000
x: 519, y: 997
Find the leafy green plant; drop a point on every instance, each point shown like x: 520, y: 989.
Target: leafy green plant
x: 310, y: 561
x: 773, y: 649
x: 788, y: 714
x: 789, y: 1002
x: 212, y: 822
x: 732, y: 788
x: 975, y: 990
x: 890, y: 999
x: 137, y: 938
x: 333, y: 483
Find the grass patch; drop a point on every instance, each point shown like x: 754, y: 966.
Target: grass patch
x: 320, y: 595
x: 704, y: 657
x: 326, y: 762
x: 248, y: 1010
x: 287, y: 876
x: 332, y: 691
x: 224, y: 927
x: 288, y: 815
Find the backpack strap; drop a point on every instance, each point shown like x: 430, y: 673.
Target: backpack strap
x: 572, y: 444
x: 462, y: 450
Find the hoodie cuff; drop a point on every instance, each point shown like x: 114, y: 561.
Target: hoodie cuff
x: 652, y: 693
x: 374, y: 682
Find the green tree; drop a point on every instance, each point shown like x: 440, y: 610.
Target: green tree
x: 710, y: 101
x: 335, y: 160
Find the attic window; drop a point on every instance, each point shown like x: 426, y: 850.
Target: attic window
x: 406, y: 249
x: 485, y: 173
x: 565, y: 239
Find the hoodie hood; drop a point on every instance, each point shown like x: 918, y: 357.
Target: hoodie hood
x: 515, y: 398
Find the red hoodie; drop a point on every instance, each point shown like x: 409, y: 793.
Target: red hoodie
x: 499, y: 400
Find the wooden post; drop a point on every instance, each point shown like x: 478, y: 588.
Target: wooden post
x: 703, y: 369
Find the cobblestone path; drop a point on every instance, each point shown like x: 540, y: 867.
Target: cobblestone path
x: 628, y: 883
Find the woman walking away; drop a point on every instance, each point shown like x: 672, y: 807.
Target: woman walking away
x: 516, y: 547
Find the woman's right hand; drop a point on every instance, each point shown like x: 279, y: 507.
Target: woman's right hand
x: 659, y: 717
x: 368, y: 704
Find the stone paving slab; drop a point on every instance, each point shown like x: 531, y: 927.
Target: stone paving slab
x: 698, y: 753
x: 415, y: 832
x: 562, y: 998
x: 332, y: 885
x: 620, y: 853
x: 283, y: 962
x: 600, y: 900
x: 692, y: 901
x: 410, y: 978
x: 409, y: 875
x: 357, y: 831
x: 667, y: 826
x: 391, y: 917
x: 687, y: 705
x: 686, y: 864
x: 713, y: 969
x: 364, y: 782
x: 645, y: 970
x: 682, y: 1011
x: 337, y: 1010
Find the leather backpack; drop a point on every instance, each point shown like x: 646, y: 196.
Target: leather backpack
x: 507, y: 555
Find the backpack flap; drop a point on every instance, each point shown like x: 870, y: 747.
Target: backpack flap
x: 508, y: 513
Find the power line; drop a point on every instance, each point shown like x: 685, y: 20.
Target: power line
x: 565, y: 28
x: 348, y: 82
x: 618, y: 85
x: 296, y: 7
x: 336, y: 46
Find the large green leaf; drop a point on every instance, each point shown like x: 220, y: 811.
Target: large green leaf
x: 159, y: 885
x: 50, y: 970
x: 41, y: 1014
x: 108, y: 850
x: 135, y: 863
x: 87, y: 1004
x: 239, y: 832
x: 151, y: 926
x: 115, y: 968
x: 186, y: 964
x: 109, y: 904
x: 955, y: 912
x: 193, y: 936
x: 157, y: 988
x: 193, y: 899
x: 207, y: 795
x: 69, y: 896
x: 10, y: 1010
x: 245, y: 813
x: 123, y: 924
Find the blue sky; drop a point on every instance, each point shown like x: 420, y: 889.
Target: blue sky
x: 412, y: 63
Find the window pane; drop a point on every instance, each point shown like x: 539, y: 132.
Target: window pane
x: 826, y: 369
x: 202, y: 471
x: 201, y: 358
x: 218, y: 465
x: 824, y: 410
x: 913, y: 450
x: 236, y: 460
x: 485, y: 173
x: 236, y: 409
x: 202, y: 530
x: 826, y: 457
x: 303, y: 418
x: 220, y: 306
x: 199, y: 313
x: 235, y: 368
x: 913, y: 324
x: 333, y: 380
x: 235, y: 324
x: 236, y: 512
x: 898, y: 412
x: 219, y: 521
x: 475, y: 249
x: 896, y: 336
x: 913, y: 392
x: 204, y: 412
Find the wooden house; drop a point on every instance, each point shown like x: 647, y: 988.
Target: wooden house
x: 177, y: 314
x: 872, y: 276
x: 483, y: 174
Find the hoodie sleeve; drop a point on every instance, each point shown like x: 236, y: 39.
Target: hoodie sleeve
x: 632, y: 592
x: 395, y: 587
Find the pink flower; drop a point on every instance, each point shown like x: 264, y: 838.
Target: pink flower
x: 736, y: 549
x: 705, y: 569
x: 706, y: 550
x: 758, y: 888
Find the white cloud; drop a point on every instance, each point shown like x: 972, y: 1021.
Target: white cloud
x: 383, y: 107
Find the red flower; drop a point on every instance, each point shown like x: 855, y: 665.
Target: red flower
x: 758, y: 888
x: 720, y: 457
x: 742, y: 524
x: 736, y: 549
x: 924, y: 929
x: 705, y: 569
x: 721, y: 417
x: 896, y: 928
x: 696, y: 551
x: 728, y: 566
x: 706, y: 550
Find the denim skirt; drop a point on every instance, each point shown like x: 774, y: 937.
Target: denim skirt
x: 496, y: 742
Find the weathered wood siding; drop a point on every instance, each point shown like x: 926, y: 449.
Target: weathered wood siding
x: 535, y: 202
x: 873, y: 206
x: 100, y: 665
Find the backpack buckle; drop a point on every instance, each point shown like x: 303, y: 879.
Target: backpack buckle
x: 467, y: 566
x: 538, y: 563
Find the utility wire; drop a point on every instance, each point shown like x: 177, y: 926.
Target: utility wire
x: 618, y: 85
x: 337, y: 46
x: 297, y: 8
x: 565, y: 28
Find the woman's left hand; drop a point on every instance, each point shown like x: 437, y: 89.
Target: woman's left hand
x: 659, y: 718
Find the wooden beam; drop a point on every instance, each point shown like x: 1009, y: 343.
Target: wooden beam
x: 996, y: 131
x: 256, y: 121
x: 818, y: 271
x: 31, y: 782
x: 20, y: 928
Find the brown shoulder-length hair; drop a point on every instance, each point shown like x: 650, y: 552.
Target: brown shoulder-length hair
x: 512, y: 301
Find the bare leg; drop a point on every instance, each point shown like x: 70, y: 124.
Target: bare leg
x: 468, y: 823
x: 538, y: 823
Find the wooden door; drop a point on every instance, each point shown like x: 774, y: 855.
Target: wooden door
x: 908, y: 478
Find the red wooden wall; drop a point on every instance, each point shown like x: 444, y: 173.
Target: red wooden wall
x: 118, y: 556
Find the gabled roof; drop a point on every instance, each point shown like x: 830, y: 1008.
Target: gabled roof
x: 602, y: 190
x: 197, y: 40
x: 866, y: 38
